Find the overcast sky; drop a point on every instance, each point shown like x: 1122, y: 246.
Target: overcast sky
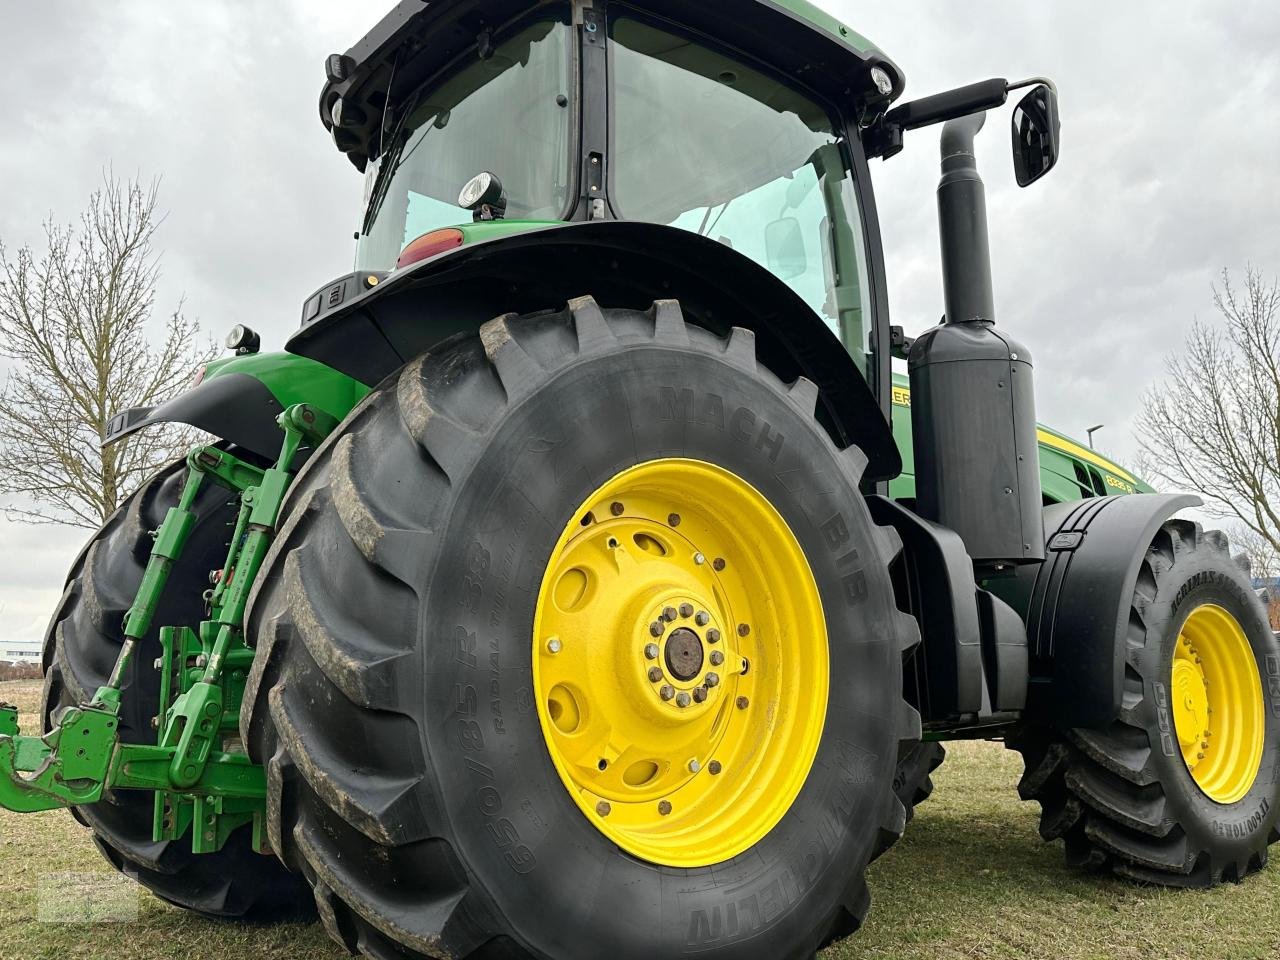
x: 1170, y: 132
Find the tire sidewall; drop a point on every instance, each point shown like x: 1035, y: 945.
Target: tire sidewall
x: 516, y: 827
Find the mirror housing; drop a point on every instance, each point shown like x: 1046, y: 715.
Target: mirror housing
x: 1036, y: 134
x: 784, y: 248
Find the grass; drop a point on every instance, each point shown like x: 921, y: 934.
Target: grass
x: 971, y: 880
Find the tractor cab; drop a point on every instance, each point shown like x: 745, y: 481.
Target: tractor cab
x: 635, y: 117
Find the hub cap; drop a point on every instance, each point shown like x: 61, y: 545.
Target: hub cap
x: 1217, y: 704
x: 680, y: 663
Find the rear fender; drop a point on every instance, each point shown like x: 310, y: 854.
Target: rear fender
x: 369, y: 329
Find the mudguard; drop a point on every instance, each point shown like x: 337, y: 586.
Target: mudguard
x: 1076, y: 604
x: 240, y: 398
x: 369, y: 329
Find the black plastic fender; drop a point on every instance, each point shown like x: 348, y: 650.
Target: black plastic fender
x: 234, y: 406
x: 1076, y: 604
x: 369, y: 331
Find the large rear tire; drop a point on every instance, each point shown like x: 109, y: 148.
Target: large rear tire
x: 80, y: 649
x: 1183, y: 789
x: 395, y: 699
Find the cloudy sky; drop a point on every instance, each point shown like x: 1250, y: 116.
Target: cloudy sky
x: 1170, y: 125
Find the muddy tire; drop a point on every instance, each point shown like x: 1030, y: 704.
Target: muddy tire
x: 393, y: 696
x: 80, y: 649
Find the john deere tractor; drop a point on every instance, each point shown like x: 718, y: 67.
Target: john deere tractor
x: 563, y: 592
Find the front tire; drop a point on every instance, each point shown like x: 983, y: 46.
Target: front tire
x: 1183, y: 789
x: 393, y: 697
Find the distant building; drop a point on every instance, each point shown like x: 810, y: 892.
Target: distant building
x: 18, y: 653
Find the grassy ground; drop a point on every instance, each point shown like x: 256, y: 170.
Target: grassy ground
x: 971, y: 879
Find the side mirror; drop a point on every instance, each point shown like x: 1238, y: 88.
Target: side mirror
x: 784, y: 248
x: 1036, y: 132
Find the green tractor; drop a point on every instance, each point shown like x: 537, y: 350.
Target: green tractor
x: 581, y: 582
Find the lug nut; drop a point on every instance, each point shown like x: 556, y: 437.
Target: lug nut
x: 155, y: 723
x: 713, y: 635
x: 668, y: 613
x: 694, y: 766
x: 1204, y: 744
x: 743, y: 703
x: 700, y: 694
x: 159, y: 662
x: 717, y: 658
x: 713, y: 680
x: 664, y: 807
x: 651, y: 651
x: 702, y: 618
x: 667, y: 691
x: 655, y: 674
x: 673, y: 519
x: 713, y: 767
x: 699, y: 559
x: 554, y: 645
x: 682, y: 699
x: 744, y: 629
x: 655, y: 629
x: 603, y: 808
x: 718, y: 563
x: 616, y: 508
x: 686, y: 610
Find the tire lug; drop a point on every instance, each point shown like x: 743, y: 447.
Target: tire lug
x: 651, y: 651
x: 655, y: 674
x: 667, y: 692
x: 682, y: 699
x: 717, y: 658
x: 702, y: 618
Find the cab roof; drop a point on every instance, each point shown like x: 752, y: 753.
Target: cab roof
x: 419, y: 38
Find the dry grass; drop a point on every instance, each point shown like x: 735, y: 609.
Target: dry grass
x: 970, y: 880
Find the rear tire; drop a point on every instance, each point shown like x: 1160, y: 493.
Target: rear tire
x: 392, y: 697
x: 913, y: 780
x: 1124, y: 799
x: 80, y: 649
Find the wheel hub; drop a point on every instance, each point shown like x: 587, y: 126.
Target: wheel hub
x: 680, y: 662
x: 1217, y: 704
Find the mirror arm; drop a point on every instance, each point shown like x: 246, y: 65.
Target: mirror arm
x: 884, y: 137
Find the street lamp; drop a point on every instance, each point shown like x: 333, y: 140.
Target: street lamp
x: 1091, y: 431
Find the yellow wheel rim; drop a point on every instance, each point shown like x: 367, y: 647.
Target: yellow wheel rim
x: 680, y: 662
x: 1217, y: 704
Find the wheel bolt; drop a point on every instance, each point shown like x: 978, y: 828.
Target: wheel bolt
x: 554, y: 645
x: 667, y: 691
x: 616, y: 508
x: 1200, y: 756
x: 700, y: 694
x: 202, y: 661
x: 651, y: 651
x: 1204, y: 744
x: 744, y: 629
x: 713, y: 680
x: 694, y: 766
x: 743, y: 703
x: 668, y: 613
x: 655, y: 674
x: 702, y: 618
x: 718, y: 563
x: 713, y: 767
x: 664, y: 807
x: 717, y: 658
x: 699, y: 559
x: 673, y: 519
x: 603, y: 808
x: 682, y: 699
x: 686, y: 610
x: 159, y: 663
x: 655, y: 629
x: 713, y: 635
x: 155, y: 723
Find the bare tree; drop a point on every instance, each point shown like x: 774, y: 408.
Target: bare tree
x: 74, y: 326
x: 1213, y: 424
x: 1264, y: 562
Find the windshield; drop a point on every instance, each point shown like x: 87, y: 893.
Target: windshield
x: 508, y: 115
x: 713, y: 146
